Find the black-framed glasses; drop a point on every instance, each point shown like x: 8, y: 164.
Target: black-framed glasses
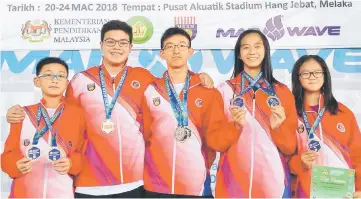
x: 59, y: 77
x: 307, y: 75
x: 171, y: 47
x: 112, y: 42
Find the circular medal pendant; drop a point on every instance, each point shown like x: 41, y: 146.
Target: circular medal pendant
x: 182, y: 134
x: 54, y: 154
x: 33, y: 153
x: 179, y: 134
x: 273, y: 101
x: 108, y: 126
x: 314, y: 145
x: 238, y: 101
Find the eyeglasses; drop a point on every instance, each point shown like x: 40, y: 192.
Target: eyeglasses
x: 171, y: 47
x: 307, y: 75
x: 59, y: 77
x: 111, y: 42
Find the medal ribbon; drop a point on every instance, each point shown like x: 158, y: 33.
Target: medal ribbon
x: 48, y: 126
x: 109, y: 108
x: 180, y: 108
x: 253, y: 82
x: 311, y: 130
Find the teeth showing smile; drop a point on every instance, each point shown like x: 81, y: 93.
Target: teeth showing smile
x: 253, y: 58
x: 116, y: 53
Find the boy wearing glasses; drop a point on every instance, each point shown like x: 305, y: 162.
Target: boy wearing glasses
x: 182, y: 121
x: 44, y: 152
x: 110, y: 95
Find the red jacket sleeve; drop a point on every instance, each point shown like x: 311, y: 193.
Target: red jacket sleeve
x: 76, y: 155
x: 12, y: 152
x: 219, y: 133
x: 355, y: 151
x: 285, y: 136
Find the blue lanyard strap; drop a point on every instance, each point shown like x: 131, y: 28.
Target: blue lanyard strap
x: 48, y: 126
x: 109, y: 108
x: 254, y: 83
x: 311, y: 130
x: 180, y: 108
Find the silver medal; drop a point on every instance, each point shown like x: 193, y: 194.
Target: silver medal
x: 182, y: 134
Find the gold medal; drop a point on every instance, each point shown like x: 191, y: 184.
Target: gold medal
x: 108, y: 126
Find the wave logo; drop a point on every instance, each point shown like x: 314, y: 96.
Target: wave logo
x: 274, y: 28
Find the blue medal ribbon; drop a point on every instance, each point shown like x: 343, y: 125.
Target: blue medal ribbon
x: 180, y: 108
x: 48, y: 126
x: 109, y: 108
x: 311, y: 130
x: 253, y: 83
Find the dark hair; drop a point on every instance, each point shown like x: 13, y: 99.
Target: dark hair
x: 117, y: 25
x: 174, y: 31
x: 50, y: 60
x: 298, y: 91
x: 266, y: 66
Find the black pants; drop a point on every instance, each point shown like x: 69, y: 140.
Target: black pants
x: 136, y: 193
x: 149, y: 194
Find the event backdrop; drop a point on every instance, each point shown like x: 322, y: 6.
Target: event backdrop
x: 71, y: 31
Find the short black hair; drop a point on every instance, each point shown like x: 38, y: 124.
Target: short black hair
x: 50, y: 60
x: 174, y: 31
x: 117, y: 25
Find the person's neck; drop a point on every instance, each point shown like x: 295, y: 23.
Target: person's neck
x: 113, y: 69
x: 178, y: 75
x: 312, y: 98
x: 253, y: 72
x: 52, y: 102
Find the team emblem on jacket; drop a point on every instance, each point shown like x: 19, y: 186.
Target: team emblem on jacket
x: 156, y: 101
x: 199, y: 102
x: 91, y: 87
x: 341, y: 127
x: 26, y: 142
x: 135, y: 84
x: 301, y: 128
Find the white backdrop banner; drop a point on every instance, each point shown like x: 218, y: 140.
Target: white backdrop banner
x: 212, y: 24
x: 18, y: 70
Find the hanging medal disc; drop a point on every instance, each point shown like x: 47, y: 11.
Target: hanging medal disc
x: 107, y: 126
x: 238, y: 101
x: 273, y: 101
x: 314, y: 145
x: 33, y: 153
x: 181, y: 134
x: 54, y: 154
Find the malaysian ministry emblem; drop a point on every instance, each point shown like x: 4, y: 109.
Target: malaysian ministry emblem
x: 36, y: 30
x: 188, y: 24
